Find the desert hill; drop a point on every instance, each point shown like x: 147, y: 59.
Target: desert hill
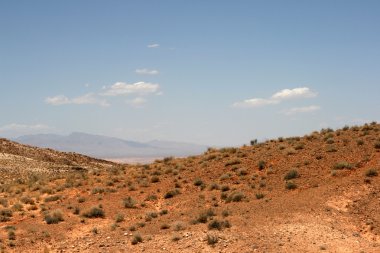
x: 316, y: 193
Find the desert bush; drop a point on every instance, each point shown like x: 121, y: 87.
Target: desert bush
x: 98, y: 190
x: 225, y: 188
x: 359, y: 142
x: 259, y: 195
x: 54, y: 217
x: 81, y: 199
x: 235, y: 197
x: 331, y: 149
x: 129, y: 202
x: 119, y: 218
x: 18, y: 207
x: 11, y: 235
x: 137, y: 238
x: 233, y: 162
x: 225, y: 213
x: 299, y: 146
x: 165, y: 226
x: 261, y: 165
x: 27, y: 200
x: 243, y: 172
x: 198, y: 182
x: 377, y: 145
x: 94, y: 212
x: 212, y: 239
x: 253, y: 142
x: 155, y: 179
x: 224, y: 176
x: 5, y: 215
x: 342, y: 165
x: 214, y: 186
x: 291, y: 174
x: 290, y: 185
x: 171, y: 194
x: 4, y: 202
x: 371, y: 173
x: 177, y: 226
x: 218, y: 225
x: 52, y: 198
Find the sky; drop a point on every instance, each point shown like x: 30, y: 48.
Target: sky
x: 209, y: 72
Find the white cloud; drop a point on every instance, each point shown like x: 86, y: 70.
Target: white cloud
x: 303, y: 92
x: 87, y: 99
x: 155, y: 45
x: 137, y: 102
x: 140, y: 88
x: 306, y: 109
x: 147, y: 72
x: 15, y: 129
x: 277, y: 98
x: 57, y: 100
x: 254, y: 102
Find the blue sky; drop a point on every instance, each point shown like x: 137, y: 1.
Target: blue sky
x: 208, y: 72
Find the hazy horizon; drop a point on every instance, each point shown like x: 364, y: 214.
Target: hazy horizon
x: 216, y: 73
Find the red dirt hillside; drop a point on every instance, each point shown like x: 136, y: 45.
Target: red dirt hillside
x: 317, y: 193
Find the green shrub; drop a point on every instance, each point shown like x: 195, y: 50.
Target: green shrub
x: 342, y: 165
x: 291, y: 174
x: 371, y: 173
x: 94, y: 212
x: 119, y: 218
x: 165, y: 226
x: 27, y: 200
x: 235, y: 197
x: 171, y: 194
x: 129, y: 202
x: 155, y: 179
x: 233, y: 162
x: 52, y: 198
x: 290, y: 185
x: 261, y: 165
x: 259, y: 195
x: 137, y: 238
x: 360, y: 142
x: 198, y: 182
x: 54, y: 217
x: 212, y: 239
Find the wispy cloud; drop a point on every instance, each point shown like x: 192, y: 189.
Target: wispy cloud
x: 303, y: 92
x: 137, y: 102
x: 147, y: 71
x: 306, y: 109
x: 255, y: 102
x: 87, y: 99
x: 277, y: 98
x: 155, y: 45
x: 140, y: 88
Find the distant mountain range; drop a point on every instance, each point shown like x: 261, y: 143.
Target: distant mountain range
x: 110, y: 148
